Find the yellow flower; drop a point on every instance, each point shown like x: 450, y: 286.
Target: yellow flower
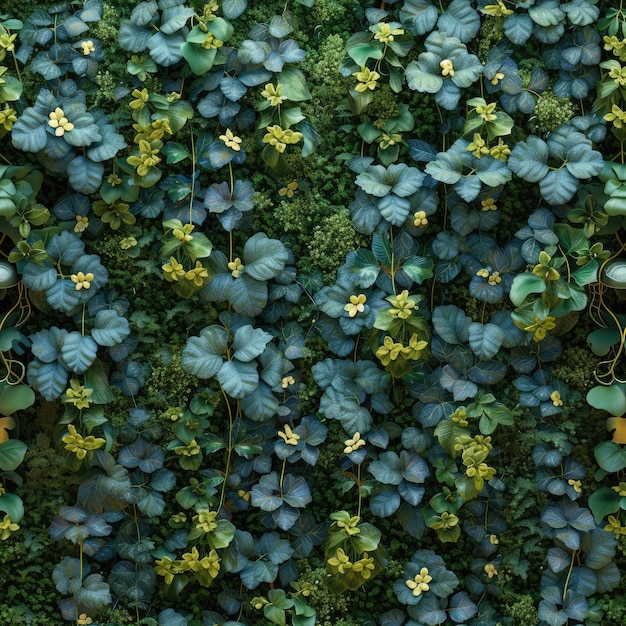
x: 236, y: 267
x: 389, y: 351
x: 232, y: 141
x: 7, y: 44
x: 78, y: 395
x: 494, y: 279
x: 500, y: 151
x: 367, y: 79
x: 128, y: 242
x: 555, y: 396
x: 211, y: 42
x: 403, y: 304
x: 279, y: 138
x: 387, y: 34
x: 8, y: 117
x: 146, y: 159
x: 87, y: 47
x: 272, y: 94
x: 415, y: 348
x: 288, y: 436
x: 198, y: 276
x: 496, y: 10
x: 493, y: 540
x: 541, y: 327
x: 620, y: 489
x: 59, y: 122
x: 340, y: 562
x: 79, y: 445
x: 498, y: 76
x: 7, y: 527
x: 205, y: 520
x: 447, y: 68
x: 420, y: 220
x: 446, y: 521
x: 289, y: 189
x: 82, y: 221
x: 478, y: 147
x: 354, y: 443
x: 364, y: 566
x: 419, y: 583
x: 618, y: 74
x: 209, y: 10
x: 614, y: 526
x: 487, y: 112
x: 576, y: 485
x: 617, y: 116
x: 488, y: 205
x: 287, y: 381
x: 490, y: 570
x: 113, y: 180
x: 167, y: 568
x: 173, y: 270
x: 83, y: 281
x: 84, y: 620
x: 141, y: 99
x: 356, y: 305
x: 191, y: 449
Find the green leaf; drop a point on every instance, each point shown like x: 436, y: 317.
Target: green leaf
x: 12, y: 453
x: 15, y: 398
x: 603, y: 502
x: 11, y: 504
x: 249, y: 343
x: 85, y: 175
x: 200, y: 59
x: 523, y: 285
x: 611, y: 457
x: 203, y: 355
x: 611, y: 398
x: 294, y: 86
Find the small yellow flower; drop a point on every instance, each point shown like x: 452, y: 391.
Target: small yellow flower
x: 289, y: 189
x: 620, y: 489
x: 389, y: 351
x: 576, y: 485
x: 209, y: 10
x: 498, y: 76
x: 7, y: 527
x: 83, y: 281
x: 340, y: 562
x: 173, y: 270
x: 79, y: 445
x: 7, y: 44
x: 354, y: 443
x: 167, y: 568
x: 113, y: 180
x: 494, y: 278
x: 478, y: 147
x: 555, y: 396
x: 272, y: 94
x: 501, y: 151
x: 386, y: 34
x: 82, y: 221
x: 287, y: 381
x: 364, y: 566
x: 211, y: 42
x: 617, y: 116
x: 141, y: 99
x: 614, y: 526
x: 127, y: 243
x: 487, y: 112
x: 288, y: 436
x: 8, y: 117
x: 78, y: 395
x: 493, y: 540
x: 446, y: 521
x: 490, y: 570
x: 496, y: 10
x: 447, y: 68
x: 541, y: 327
x: 403, y: 304
x: 488, y: 204
x: 420, y: 220
x: 184, y: 234
x: 191, y: 449
x: 279, y: 138
x: 205, y: 520
x: 356, y: 305
x: 198, y: 276
x: 87, y: 47
x: 236, y: 267
x: 419, y: 584
x: 367, y: 79
x: 84, y: 620
x: 386, y: 140
x: 59, y: 122
x: 232, y: 141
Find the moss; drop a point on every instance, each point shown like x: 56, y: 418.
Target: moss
x: 575, y: 368
x: 550, y: 112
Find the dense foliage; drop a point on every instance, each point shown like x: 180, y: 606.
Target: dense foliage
x: 312, y: 312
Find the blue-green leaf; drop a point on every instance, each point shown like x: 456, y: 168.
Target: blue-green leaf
x: 110, y: 328
x: 485, y: 339
x: 79, y: 352
x: 264, y: 258
x: 419, y: 16
x: 529, y: 159
x: 232, y: 9
x: 85, y: 175
x: 249, y: 343
x: 238, y: 379
x: 460, y: 20
x: 203, y: 355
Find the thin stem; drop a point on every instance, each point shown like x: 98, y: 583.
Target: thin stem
x: 358, y: 484
x: 230, y: 450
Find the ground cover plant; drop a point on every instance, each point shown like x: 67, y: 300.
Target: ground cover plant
x: 312, y: 312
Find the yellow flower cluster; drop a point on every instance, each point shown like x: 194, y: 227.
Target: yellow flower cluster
x: 356, y: 305
x: 386, y: 34
x: 7, y: 527
x: 146, y: 159
x: 77, y: 395
x: 392, y: 350
x: 540, y: 328
x: 447, y: 68
x: 368, y: 79
x: 420, y: 583
x: 341, y: 564
x: 232, y: 141
x: 493, y: 278
x: 206, y: 568
x: 211, y: 42
x: 83, y: 281
x: 352, y: 444
x: 205, y: 520
x: 279, y: 138
x: 59, y: 122
x: 8, y: 117
x: 87, y: 47
x: 236, y: 267
x: 420, y: 220
x: 617, y: 116
x: 272, y: 94
x: 403, y: 305
x: 79, y: 445
x: 288, y: 436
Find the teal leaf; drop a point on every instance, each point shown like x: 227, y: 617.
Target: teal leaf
x: 12, y: 454
x: 385, y: 502
x: 446, y: 168
x: 461, y: 608
x: 413, y: 467
x: 419, y: 80
x: 79, y: 352
x: 611, y: 398
x: 264, y: 258
x: 294, y: 85
x: 110, y: 144
x: 133, y: 37
x: 29, y: 132
x: 249, y: 343
x: 166, y: 49
x: 110, y: 328
x: 460, y: 20
x: 63, y: 296
x: 419, y: 16
x: 238, y: 379
x: 529, y: 159
x: 144, y: 13
x: 485, y: 339
x: 386, y: 469
x: 85, y: 175
x: 247, y: 295
x: 49, y: 379
x: 558, y: 187
x: 451, y: 324
x: 203, y: 355
x: 39, y: 277
x: 176, y: 19
x: 232, y: 9
x: 10, y: 503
